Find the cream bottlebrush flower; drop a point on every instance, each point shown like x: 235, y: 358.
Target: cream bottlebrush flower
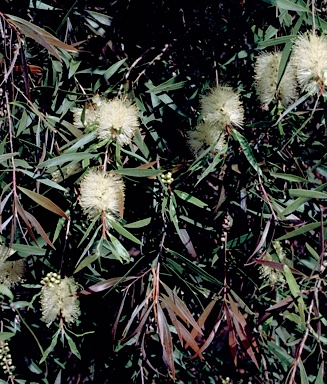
x: 222, y: 107
x: 11, y: 272
x: 266, y: 77
x: 59, y: 299
x: 310, y: 62
x: 102, y: 193
x: 204, y: 136
x: 117, y: 121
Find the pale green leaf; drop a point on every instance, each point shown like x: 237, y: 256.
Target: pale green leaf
x: 190, y: 199
x: 309, y: 194
x: 6, y: 335
x: 137, y: 172
x: 139, y: 223
x: 113, y: 69
x: 65, y: 158
x: 117, y: 227
x: 247, y: 150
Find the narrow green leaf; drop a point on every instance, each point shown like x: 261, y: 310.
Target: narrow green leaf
x: 170, y: 103
x: 73, y: 67
x: 276, y: 41
x: 211, y: 167
x: 312, y: 251
x: 28, y: 250
x: 117, y: 227
x: 194, y: 267
x: 113, y: 69
x: 69, y: 157
x: 309, y: 194
x: 296, y: 292
x: 139, y: 224
x: 118, y: 250
x: 46, y: 182
x: 51, y: 346
x: 288, y: 177
x: 293, y: 206
x: 291, y: 107
x: 85, y: 262
x: 301, y: 230
x: 281, y: 353
x: 137, y: 172
x: 247, y: 150
x: 190, y: 199
x: 100, y: 17
x: 168, y: 85
x: 72, y: 346
x: 58, y: 378
x: 319, y: 378
x: 7, y: 156
x: 85, y: 139
x: 303, y: 373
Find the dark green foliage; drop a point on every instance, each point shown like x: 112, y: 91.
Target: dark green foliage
x: 215, y: 272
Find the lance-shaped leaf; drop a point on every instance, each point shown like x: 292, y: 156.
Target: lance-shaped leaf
x: 39, y: 228
x: 209, y: 339
x: 137, y: 172
x: 232, y: 341
x: 247, y: 150
x: 166, y: 340
x: 182, y: 332
x: 41, y: 36
x: 179, y: 307
x: 202, y: 319
x: 278, y: 266
x: 44, y: 202
x: 241, y: 329
x: 296, y: 292
x: 136, y: 311
x: 283, y: 303
x: 6, y: 335
x: 21, y: 213
x: 190, y: 199
x: 103, y: 285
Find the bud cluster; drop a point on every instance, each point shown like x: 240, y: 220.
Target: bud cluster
x: 51, y: 279
x: 167, y: 179
x: 5, y: 358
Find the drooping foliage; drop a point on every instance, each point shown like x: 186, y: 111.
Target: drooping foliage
x: 163, y: 191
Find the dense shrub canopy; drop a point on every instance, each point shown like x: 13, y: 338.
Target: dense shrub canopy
x: 163, y: 191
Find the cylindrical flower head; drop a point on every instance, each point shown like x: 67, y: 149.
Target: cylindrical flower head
x: 117, y: 121
x: 266, y: 76
x: 102, y: 192
x: 11, y: 272
x: 310, y: 61
x: 222, y: 107
x: 204, y: 136
x: 60, y: 300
